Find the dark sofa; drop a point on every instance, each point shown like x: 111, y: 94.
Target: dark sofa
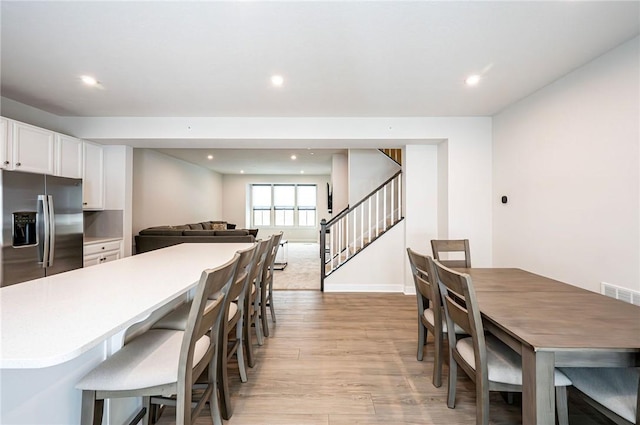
x: 205, y: 232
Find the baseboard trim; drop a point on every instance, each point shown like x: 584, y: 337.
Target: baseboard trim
x: 329, y: 287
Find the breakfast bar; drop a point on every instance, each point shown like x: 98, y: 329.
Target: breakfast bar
x: 55, y: 329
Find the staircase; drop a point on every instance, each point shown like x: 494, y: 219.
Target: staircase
x: 348, y: 233
x: 394, y: 154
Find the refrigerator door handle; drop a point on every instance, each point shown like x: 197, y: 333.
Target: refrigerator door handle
x: 43, y: 247
x: 52, y: 231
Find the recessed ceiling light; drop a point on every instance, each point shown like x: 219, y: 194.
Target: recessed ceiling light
x: 209, y: 156
x: 472, y: 80
x: 88, y: 80
x: 277, y: 80
x: 294, y: 157
x: 301, y: 171
x: 241, y: 171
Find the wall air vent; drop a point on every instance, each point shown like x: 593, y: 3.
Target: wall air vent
x: 619, y: 293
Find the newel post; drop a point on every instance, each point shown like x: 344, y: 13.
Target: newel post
x: 323, y: 251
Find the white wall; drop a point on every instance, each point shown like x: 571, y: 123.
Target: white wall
x: 20, y: 112
x: 420, y: 168
x: 340, y: 182
x: 168, y: 191
x: 368, y: 169
x: 378, y: 268
x: 443, y: 190
x: 568, y: 159
x: 235, y: 195
x: 118, y: 162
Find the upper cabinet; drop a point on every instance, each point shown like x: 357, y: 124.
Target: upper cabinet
x: 93, y: 191
x: 69, y: 159
x: 4, y: 143
x: 32, y: 149
x: 24, y: 147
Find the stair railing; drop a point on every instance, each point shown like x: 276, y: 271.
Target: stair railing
x: 356, y: 227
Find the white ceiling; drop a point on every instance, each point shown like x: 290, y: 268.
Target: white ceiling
x: 339, y: 58
x: 260, y: 161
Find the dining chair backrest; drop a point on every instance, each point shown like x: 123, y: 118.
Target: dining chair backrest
x: 206, y: 316
x: 266, y: 283
x: 461, y: 308
x: 430, y: 312
x: 233, y: 319
x: 271, y: 256
x: 261, y: 257
x: 423, y: 278
x: 448, y: 246
x: 244, y: 269
x: 252, y: 306
x: 417, y: 261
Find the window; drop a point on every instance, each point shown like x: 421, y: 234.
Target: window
x: 261, y: 200
x: 283, y: 205
x: 306, y: 205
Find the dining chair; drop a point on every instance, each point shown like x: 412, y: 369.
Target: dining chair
x: 491, y: 364
x: 252, y: 304
x: 160, y: 363
x: 614, y: 392
x: 266, y: 283
x: 234, y: 315
x: 430, y: 312
x: 448, y: 246
x: 234, y: 306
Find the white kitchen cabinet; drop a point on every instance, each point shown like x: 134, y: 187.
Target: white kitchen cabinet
x: 69, y: 159
x: 5, y: 154
x: 33, y: 149
x: 102, y: 252
x: 24, y: 147
x: 93, y: 191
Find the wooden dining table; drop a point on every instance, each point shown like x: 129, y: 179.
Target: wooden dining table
x: 553, y: 324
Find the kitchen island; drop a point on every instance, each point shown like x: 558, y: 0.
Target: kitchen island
x: 55, y: 329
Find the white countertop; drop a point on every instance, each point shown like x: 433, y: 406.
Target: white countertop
x: 48, y: 321
x: 100, y: 239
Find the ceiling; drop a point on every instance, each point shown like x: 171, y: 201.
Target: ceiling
x: 259, y: 161
x: 338, y: 58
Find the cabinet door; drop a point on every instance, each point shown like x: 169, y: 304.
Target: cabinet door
x: 91, y: 260
x: 68, y: 156
x: 95, y: 259
x: 5, y: 155
x: 33, y: 149
x: 93, y: 177
x: 111, y: 256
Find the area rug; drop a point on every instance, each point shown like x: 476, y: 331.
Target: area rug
x: 302, y: 270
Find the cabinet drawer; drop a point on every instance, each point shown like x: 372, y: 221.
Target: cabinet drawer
x: 101, y: 247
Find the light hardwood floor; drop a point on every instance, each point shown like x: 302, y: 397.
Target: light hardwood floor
x: 345, y: 359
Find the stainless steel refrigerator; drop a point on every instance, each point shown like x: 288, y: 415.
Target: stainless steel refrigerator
x: 41, y: 226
